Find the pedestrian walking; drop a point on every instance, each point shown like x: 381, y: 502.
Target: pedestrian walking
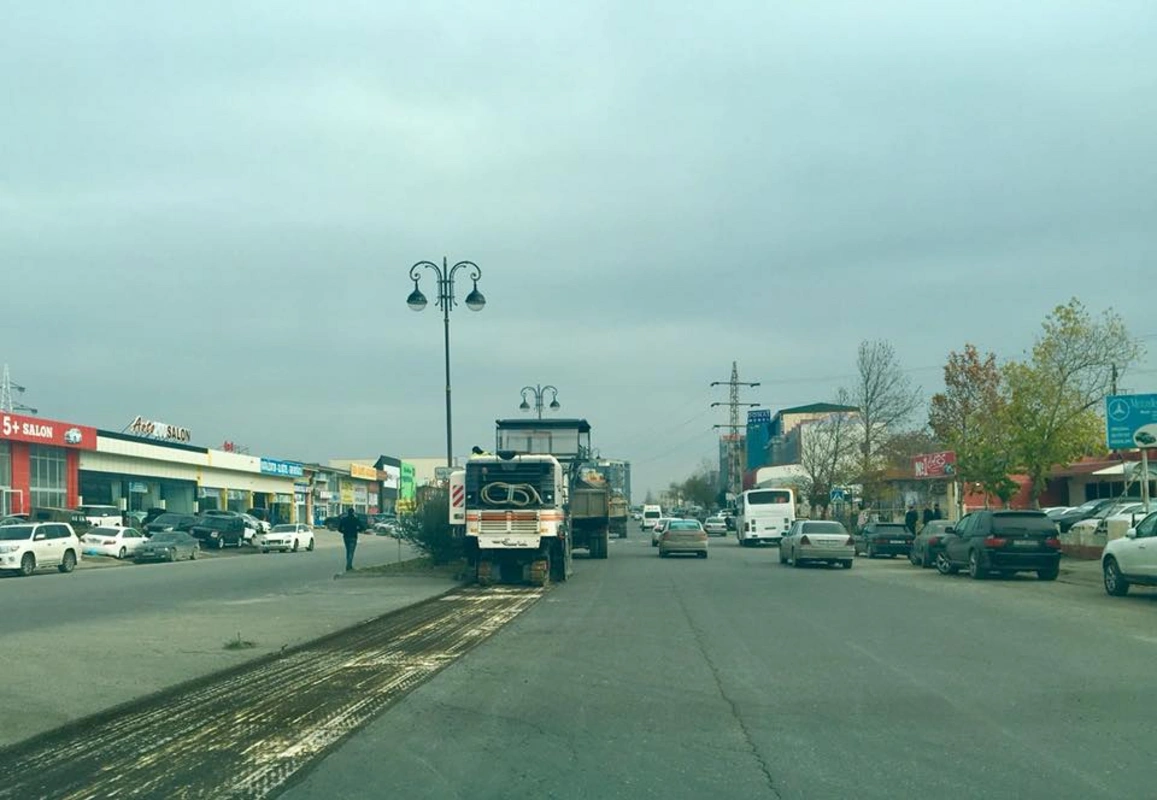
x: 350, y: 526
x: 911, y: 518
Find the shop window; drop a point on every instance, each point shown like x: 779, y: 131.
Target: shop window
x: 5, y: 465
x: 48, y: 477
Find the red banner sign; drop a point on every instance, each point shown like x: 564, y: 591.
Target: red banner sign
x: 935, y: 465
x: 35, y: 430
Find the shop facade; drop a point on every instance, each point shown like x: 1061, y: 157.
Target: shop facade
x: 39, y: 462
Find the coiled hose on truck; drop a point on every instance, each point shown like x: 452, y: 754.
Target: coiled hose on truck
x: 517, y: 494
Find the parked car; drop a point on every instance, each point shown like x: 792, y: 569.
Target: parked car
x: 259, y: 523
x: 171, y: 521
x: 657, y: 529
x: 290, y: 537
x: 217, y: 531
x: 14, y: 519
x: 683, y: 536
x: 928, y: 543
x: 38, y: 545
x: 817, y: 540
x: 70, y: 516
x: 1132, y: 559
x: 169, y: 546
x: 715, y: 526
x: 1126, y: 512
x: 331, y: 522
x: 115, y: 541
x: 253, y: 528
x: 97, y: 515
x: 1071, y: 517
x: 884, y: 539
x: 1004, y: 543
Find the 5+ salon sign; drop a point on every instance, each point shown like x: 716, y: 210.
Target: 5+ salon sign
x: 34, y: 430
x: 151, y: 429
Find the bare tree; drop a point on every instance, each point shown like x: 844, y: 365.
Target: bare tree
x: 828, y: 454
x: 886, y: 400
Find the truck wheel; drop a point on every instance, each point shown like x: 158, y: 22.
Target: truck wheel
x: 540, y: 572
x: 485, y: 572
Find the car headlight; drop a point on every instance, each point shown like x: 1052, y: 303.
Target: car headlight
x: 9, y: 548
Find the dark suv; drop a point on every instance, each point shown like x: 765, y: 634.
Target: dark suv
x: 885, y: 539
x: 1002, y: 542
x: 218, y: 531
x: 171, y: 521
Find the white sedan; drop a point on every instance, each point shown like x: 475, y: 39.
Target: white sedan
x: 716, y: 526
x: 290, y: 537
x: 817, y: 540
x: 115, y: 541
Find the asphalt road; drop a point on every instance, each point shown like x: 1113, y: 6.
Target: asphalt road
x: 109, y: 633
x: 739, y: 677
x: 113, y: 589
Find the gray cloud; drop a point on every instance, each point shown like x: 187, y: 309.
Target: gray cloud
x: 207, y: 213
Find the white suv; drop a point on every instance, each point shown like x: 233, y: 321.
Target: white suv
x: 37, y: 545
x: 1130, y: 559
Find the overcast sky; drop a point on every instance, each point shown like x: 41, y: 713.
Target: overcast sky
x: 208, y: 210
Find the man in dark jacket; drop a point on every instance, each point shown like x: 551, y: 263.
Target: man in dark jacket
x: 910, y: 519
x: 349, y: 526
x: 936, y: 512
x: 927, y: 516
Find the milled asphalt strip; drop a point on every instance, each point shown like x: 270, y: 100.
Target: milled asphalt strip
x: 247, y: 732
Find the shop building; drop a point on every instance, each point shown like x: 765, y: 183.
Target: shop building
x: 39, y: 461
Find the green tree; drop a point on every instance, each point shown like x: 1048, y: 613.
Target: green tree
x: 1055, y: 396
x: 828, y: 455
x: 429, y: 531
x: 971, y: 418
x: 701, y: 487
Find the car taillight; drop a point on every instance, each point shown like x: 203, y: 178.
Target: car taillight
x: 995, y: 541
x: 1053, y: 543
x: 804, y: 540
x: 933, y: 539
x: 701, y: 536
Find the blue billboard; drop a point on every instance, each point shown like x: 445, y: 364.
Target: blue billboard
x: 1131, y: 421
x: 291, y: 469
x: 758, y: 436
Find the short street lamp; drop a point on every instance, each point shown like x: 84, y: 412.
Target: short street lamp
x: 539, y: 393
x: 474, y: 301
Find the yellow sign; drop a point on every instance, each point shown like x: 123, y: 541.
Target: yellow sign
x: 362, y: 471
x: 346, y: 492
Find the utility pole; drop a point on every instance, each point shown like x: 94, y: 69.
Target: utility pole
x: 1113, y: 380
x: 734, y: 468
x: 7, y: 399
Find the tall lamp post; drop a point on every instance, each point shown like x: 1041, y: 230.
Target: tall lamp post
x: 539, y: 393
x: 444, y: 275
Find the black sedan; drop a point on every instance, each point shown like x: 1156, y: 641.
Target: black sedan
x: 884, y: 539
x: 168, y: 546
x: 928, y: 542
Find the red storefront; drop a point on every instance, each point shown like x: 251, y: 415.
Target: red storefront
x: 40, y: 462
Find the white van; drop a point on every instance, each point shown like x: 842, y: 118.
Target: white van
x: 103, y: 516
x: 651, y: 516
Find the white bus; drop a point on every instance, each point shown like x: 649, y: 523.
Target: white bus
x: 764, y: 515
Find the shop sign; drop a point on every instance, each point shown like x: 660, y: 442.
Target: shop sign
x: 391, y: 476
x: 934, y: 465
x: 360, y: 495
x: 208, y: 491
x: 35, y: 430
x: 362, y: 471
x: 238, y: 494
x: 347, y: 492
x: 324, y: 494
x: 151, y: 429
x: 291, y: 469
x: 283, y: 498
x: 136, y: 487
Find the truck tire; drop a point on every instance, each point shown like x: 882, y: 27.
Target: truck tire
x: 485, y: 572
x: 604, y: 544
x: 540, y: 571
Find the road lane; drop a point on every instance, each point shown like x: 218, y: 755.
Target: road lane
x: 739, y: 677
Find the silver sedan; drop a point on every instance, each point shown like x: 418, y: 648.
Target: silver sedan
x: 817, y: 540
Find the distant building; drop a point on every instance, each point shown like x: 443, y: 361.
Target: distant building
x: 784, y: 435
